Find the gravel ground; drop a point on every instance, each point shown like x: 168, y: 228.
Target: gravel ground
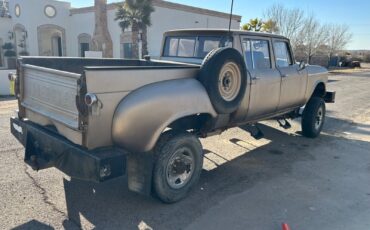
x: 247, y: 184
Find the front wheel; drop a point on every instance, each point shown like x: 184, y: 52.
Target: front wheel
x: 179, y: 162
x: 313, y: 117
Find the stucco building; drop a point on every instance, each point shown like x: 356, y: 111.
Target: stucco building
x: 54, y: 28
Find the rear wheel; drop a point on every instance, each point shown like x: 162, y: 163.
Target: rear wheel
x: 313, y: 117
x: 179, y: 162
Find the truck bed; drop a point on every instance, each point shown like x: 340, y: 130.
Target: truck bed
x: 51, y: 92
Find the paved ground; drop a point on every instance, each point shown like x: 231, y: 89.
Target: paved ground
x: 311, y: 184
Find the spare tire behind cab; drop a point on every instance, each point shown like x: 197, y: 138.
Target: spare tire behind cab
x: 224, y: 75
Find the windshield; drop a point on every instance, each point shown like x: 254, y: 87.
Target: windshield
x: 192, y: 47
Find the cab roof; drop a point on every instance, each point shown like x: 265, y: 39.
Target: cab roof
x: 204, y: 31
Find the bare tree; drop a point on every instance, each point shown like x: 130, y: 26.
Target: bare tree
x: 313, y: 37
x: 288, y: 21
x: 338, y: 37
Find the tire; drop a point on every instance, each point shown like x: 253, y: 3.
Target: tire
x: 178, y: 165
x: 223, y: 73
x: 313, y: 117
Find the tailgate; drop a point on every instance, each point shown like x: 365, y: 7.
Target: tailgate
x: 50, y: 93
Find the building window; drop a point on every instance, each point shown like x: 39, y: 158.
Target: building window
x: 84, y: 44
x: 127, y: 50
x: 17, y: 10
x: 50, y: 11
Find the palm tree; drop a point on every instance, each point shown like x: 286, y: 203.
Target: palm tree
x: 253, y: 25
x: 258, y: 25
x: 137, y: 15
x: 270, y: 26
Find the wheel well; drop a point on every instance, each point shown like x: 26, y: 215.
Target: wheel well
x: 193, y: 122
x: 320, y: 90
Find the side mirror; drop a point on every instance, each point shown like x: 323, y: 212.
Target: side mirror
x: 301, y: 66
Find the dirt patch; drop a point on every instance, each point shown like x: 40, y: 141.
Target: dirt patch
x: 7, y: 106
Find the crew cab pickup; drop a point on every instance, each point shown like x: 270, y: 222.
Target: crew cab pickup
x: 97, y: 119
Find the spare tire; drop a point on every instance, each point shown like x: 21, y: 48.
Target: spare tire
x: 223, y: 73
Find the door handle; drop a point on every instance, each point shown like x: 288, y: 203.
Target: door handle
x: 254, y: 80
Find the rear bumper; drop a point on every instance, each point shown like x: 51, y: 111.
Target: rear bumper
x: 45, y: 149
x: 329, y: 97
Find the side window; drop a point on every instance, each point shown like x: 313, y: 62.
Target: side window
x: 282, y: 54
x: 260, y: 54
x: 247, y: 54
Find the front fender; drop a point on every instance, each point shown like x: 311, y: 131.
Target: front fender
x: 141, y: 116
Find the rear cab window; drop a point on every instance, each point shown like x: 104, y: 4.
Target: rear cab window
x: 192, y: 47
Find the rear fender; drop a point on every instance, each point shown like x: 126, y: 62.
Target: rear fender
x: 144, y: 114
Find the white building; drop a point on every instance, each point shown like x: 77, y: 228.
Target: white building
x: 53, y: 28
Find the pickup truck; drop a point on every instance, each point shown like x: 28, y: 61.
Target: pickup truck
x: 98, y: 119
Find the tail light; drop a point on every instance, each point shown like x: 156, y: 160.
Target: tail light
x: 90, y: 99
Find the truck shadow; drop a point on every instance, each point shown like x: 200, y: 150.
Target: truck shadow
x: 33, y: 224
x: 111, y: 206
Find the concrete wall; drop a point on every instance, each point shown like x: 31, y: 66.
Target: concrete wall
x: 79, y: 24
x: 4, y: 82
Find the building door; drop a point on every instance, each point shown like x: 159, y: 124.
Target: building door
x: 56, y: 44
x: 84, y: 47
x: 127, y: 50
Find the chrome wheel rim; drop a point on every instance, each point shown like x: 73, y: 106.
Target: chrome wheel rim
x: 319, y: 118
x: 229, y: 81
x: 180, y: 168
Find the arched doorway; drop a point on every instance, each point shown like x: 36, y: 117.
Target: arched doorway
x: 51, y: 40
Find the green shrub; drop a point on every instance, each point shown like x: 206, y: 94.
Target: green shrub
x: 8, y: 46
x: 10, y: 53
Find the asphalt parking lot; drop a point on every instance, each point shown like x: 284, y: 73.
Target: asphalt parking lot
x: 321, y: 183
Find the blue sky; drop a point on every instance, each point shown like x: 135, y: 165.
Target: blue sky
x: 355, y: 13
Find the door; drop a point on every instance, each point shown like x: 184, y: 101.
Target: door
x: 84, y: 47
x: 293, y: 81
x: 56, y: 44
x: 265, y: 78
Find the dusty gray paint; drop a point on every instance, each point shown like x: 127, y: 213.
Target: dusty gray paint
x: 143, y: 115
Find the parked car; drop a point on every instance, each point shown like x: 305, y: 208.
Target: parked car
x: 97, y: 119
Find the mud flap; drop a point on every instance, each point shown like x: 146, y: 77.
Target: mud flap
x: 139, y: 172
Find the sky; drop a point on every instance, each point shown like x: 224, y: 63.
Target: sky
x: 354, y: 13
